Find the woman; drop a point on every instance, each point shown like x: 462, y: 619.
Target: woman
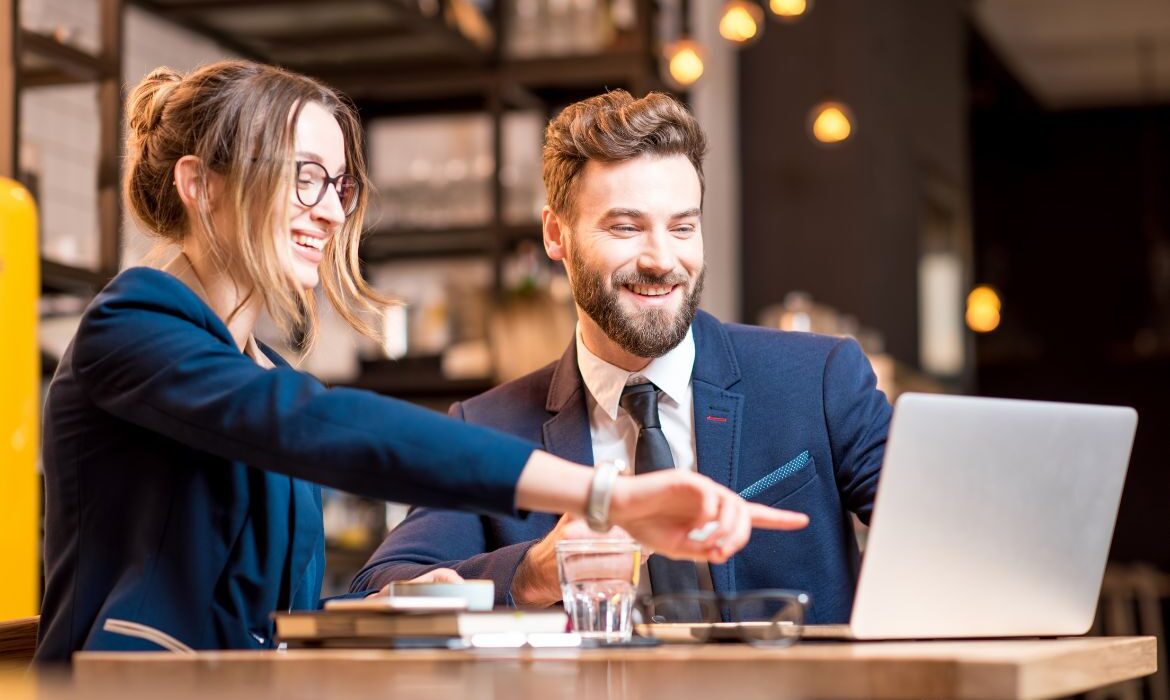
x: 178, y: 448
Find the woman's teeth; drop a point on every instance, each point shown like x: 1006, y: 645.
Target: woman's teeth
x: 651, y: 291
x: 309, y: 241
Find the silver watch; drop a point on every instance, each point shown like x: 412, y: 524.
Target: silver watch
x: 605, y: 476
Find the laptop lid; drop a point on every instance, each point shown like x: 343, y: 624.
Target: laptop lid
x: 993, y: 518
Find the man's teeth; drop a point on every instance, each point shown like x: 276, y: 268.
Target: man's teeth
x: 651, y: 291
x: 309, y: 241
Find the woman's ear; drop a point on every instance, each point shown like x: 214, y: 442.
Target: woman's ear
x: 189, y: 176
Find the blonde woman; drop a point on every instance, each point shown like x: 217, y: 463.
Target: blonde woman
x: 181, y: 455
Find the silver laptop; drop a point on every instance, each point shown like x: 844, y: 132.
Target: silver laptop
x: 993, y: 519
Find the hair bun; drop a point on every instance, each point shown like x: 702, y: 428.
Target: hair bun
x: 148, y: 99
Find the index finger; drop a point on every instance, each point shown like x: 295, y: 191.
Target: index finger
x: 775, y: 519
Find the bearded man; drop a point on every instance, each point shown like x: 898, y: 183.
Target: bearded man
x: 792, y: 420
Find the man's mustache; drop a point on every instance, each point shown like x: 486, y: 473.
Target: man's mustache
x: 650, y: 280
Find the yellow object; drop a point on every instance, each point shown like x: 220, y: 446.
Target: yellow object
x: 788, y: 10
x: 686, y: 61
x: 20, y: 375
x: 742, y: 21
x: 983, y: 308
x: 831, y: 123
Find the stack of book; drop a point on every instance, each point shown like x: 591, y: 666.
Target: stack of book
x: 383, y: 625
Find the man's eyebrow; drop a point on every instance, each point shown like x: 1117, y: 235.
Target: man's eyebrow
x: 620, y: 212
x: 694, y: 211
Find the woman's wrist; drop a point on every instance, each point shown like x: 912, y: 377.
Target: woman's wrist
x: 549, y: 484
x: 597, y: 510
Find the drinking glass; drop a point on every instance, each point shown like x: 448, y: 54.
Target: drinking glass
x: 599, y: 581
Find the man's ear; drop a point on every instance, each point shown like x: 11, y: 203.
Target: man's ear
x: 554, y: 234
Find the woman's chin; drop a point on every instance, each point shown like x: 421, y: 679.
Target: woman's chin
x: 307, y: 277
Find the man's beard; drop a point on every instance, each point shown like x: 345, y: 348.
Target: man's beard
x: 649, y: 333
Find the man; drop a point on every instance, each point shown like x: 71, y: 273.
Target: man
x: 786, y: 419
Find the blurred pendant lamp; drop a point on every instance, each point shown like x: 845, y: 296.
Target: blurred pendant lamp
x: 789, y: 10
x: 830, y: 122
x: 684, y: 57
x: 742, y: 22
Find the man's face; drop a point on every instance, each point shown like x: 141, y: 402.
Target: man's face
x: 635, y: 250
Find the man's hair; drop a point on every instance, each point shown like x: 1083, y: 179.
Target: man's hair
x: 615, y: 127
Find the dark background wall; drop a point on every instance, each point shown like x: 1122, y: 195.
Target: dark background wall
x: 1068, y: 214
x: 844, y: 222
x: 1070, y: 217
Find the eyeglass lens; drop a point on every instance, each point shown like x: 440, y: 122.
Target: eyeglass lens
x: 313, y: 182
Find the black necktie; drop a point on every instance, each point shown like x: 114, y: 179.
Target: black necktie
x: 652, y: 453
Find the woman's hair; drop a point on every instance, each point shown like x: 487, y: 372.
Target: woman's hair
x: 614, y: 126
x: 239, y: 118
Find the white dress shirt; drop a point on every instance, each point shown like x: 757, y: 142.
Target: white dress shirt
x: 615, y: 434
x: 613, y: 431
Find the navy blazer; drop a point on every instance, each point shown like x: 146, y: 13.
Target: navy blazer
x: 177, y: 470
x: 792, y: 420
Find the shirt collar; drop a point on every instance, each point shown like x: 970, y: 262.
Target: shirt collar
x: 671, y: 373
x: 181, y: 268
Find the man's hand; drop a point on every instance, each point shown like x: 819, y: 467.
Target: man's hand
x: 536, y: 583
x: 433, y: 576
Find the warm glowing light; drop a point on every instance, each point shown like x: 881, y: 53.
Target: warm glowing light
x: 983, y: 307
x: 831, y: 122
x: 789, y: 10
x: 742, y: 21
x: 685, y: 61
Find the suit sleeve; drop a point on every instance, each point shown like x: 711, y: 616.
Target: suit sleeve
x: 165, y: 366
x: 857, y: 416
x: 431, y: 538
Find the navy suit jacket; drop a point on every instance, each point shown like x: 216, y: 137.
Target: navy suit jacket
x: 792, y: 420
x: 177, y: 475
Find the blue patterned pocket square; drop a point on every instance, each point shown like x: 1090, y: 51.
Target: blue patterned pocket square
x: 799, y: 462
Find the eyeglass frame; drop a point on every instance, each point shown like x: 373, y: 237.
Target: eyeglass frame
x: 718, y: 602
x: 329, y: 181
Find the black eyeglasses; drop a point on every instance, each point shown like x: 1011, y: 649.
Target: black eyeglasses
x: 313, y: 182
x: 770, y: 617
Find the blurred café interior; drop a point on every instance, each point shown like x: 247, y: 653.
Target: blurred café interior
x: 976, y: 190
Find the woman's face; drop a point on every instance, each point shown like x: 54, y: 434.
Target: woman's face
x: 318, y: 140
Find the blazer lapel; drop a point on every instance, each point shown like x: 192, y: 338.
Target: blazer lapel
x: 718, y: 415
x: 566, y: 434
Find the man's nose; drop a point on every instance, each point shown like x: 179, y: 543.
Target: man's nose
x: 657, y: 254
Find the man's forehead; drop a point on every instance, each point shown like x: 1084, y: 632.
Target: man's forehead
x: 648, y: 181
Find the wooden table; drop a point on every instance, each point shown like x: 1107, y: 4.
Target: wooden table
x: 955, y: 669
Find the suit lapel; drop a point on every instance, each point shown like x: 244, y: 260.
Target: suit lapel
x: 566, y: 434
x: 718, y: 416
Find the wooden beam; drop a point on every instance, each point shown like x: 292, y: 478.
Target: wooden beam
x: 184, y: 7
x: 110, y: 137
x: 8, y: 89
x: 190, y: 23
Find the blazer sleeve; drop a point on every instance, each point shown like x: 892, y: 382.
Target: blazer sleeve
x: 431, y: 538
x: 857, y: 416
x: 156, y: 357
